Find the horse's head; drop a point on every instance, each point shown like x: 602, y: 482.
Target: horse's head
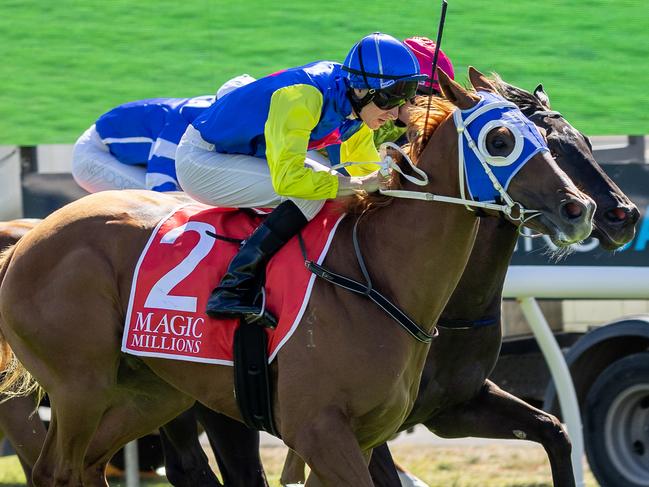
x: 616, y: 216
x: 506, y: 160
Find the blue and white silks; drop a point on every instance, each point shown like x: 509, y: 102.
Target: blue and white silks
x: 147, y: 132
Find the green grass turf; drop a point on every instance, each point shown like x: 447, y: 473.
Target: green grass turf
x: 11, y: 475
x: 492, y: 465
x: 64, y: 63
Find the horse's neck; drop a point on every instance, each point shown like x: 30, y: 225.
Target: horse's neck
x: 479, y: 292
x: 415, y: 250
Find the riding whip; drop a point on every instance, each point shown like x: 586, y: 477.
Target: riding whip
x: 438, y: 42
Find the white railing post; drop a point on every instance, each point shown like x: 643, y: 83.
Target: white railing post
x: 132, y: 464
x: 562, y: 380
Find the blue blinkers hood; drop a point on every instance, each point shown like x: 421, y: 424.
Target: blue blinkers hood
x: 478, y: 122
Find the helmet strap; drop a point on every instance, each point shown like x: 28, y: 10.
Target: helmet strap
x: 359, y: 103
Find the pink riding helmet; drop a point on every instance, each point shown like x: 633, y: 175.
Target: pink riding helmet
x: 424, y: 50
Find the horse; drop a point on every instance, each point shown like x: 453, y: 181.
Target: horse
x: 11, y: 231
x: 614, y: 226
x: 456, y: 399
x: 65, y: 327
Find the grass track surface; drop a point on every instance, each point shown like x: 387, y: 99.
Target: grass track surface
x: 66, y: 62
x: 493, y: 465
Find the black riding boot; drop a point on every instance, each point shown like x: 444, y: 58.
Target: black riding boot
x: 239, y: 294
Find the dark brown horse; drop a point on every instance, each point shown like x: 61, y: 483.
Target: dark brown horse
x: 65, y: 288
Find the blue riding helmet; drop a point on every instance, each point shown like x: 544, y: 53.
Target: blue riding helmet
x: 385, y: 67
x: 378, y: 61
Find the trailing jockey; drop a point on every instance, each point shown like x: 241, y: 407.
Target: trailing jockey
x: 133, y: 146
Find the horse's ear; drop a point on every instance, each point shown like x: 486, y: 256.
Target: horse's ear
x: 454, y: 93
x: 542, y: 96
x: 480, y: 81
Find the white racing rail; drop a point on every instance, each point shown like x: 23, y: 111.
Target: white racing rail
x: 527, y: 283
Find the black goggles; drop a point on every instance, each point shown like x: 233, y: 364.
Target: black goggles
x: 395, y: 95
x: 428, y: 91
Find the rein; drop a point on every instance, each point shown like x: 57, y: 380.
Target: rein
x: 366, y: 289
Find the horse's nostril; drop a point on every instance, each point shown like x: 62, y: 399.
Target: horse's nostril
x: 572, y: 209
x: 617, y: 214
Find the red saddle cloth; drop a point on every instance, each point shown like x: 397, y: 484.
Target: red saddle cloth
x: 181, y: 264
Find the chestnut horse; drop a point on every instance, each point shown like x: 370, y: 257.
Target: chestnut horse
x: 455, y: 397
x: 65, y: 288
x: 477, y: 297
x: 185, y: 462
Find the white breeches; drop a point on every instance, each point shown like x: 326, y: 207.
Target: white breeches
x: 234, y: 180
x: 94, y: 168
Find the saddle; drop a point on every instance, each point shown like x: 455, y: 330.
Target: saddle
x: 182, y: 262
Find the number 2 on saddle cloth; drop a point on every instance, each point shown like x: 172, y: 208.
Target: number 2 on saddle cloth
x: 182, y: 261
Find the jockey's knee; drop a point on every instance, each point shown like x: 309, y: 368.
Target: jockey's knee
x: 309, y: 208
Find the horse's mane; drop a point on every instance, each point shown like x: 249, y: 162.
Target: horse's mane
x: 418, y: 132
x: 525, y: 100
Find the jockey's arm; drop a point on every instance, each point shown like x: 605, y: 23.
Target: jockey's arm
x: 294, y: 112
x: 360, y: 148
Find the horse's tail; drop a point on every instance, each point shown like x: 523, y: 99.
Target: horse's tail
x: 15, y: 380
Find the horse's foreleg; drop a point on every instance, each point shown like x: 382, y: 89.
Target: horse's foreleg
x: 236, y: 448
x: 186, y: 464
x: 24, y: 430
x: 328, y: 445
x: 494, y: 413
x: 293, y: 471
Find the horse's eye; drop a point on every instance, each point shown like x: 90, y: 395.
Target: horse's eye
x: 499, y: 143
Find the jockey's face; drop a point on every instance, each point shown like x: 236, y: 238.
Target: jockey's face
x: 374, y: 116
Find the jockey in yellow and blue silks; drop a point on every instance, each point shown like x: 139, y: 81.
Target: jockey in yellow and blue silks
x: 394, y: 130
x: 255, y: 148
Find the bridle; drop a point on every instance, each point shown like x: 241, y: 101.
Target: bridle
x: 513, y: 210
